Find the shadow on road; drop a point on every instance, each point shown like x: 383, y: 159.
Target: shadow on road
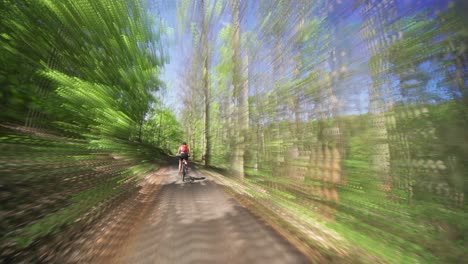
x: 198, y: 223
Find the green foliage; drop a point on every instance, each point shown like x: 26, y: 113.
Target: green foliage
x: 163, y: 129
x: 78, y: 79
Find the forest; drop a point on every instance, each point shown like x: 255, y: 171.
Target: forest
x: 349, y: 115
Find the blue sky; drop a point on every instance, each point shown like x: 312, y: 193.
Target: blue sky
x: 349, y: 39
x: 166, y: 9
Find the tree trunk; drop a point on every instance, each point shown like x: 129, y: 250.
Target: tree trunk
x: 140, y: 131
x: 159, y: 129
x: 237, y: 160
x: 206, y: 85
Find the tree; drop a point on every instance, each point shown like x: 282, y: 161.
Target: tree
x: 433, y: 43
x: 200, y: 24
x: 240, y: 93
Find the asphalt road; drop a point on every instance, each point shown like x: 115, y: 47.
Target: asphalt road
x: 182, y: 222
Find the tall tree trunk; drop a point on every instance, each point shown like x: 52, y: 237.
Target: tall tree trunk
x: 140, y: 130
x: 381, y: 150
x: 237, y: 161
x: 205, y: 83
x: 207, y: 96
x: 159, y: 129
x: 244, y: 112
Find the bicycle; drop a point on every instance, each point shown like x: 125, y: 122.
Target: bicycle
x: 185, y: 170
x: 185, y: 176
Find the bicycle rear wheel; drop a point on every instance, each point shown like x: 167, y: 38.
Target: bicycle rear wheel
x: 184, y: 171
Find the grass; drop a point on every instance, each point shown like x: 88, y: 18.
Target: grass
x: 393, y: 232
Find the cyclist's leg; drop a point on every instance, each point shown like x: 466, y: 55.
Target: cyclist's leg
x: 183, y: 156
x: 180, y: 164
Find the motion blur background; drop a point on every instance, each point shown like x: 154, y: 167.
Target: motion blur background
x: 349, y: 114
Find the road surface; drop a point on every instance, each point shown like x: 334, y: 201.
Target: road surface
x: 177, y: 222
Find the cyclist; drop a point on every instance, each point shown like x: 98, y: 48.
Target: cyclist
x: 183, y: 153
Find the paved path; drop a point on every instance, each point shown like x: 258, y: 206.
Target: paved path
x: 198, y: 223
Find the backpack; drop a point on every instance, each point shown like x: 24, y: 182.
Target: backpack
x: 184, y: 148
